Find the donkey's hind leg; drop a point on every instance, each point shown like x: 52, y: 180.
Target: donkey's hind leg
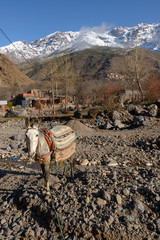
x: 72, y: 165
x: 64, y: 170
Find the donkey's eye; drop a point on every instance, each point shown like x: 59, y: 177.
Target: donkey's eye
x: 37, y: 135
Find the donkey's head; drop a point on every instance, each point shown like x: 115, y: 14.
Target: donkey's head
x: 32, y: 135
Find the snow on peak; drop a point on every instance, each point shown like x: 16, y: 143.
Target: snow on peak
x: 142, y: 35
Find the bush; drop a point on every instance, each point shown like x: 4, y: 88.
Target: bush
x: 110, y: 96
x: 99, y: 93
x: 152, y: 89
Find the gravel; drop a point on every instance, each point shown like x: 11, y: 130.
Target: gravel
x: 114, y: 196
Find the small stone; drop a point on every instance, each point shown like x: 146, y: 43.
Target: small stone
x: 157, y: 198
x: 87, y: 200
x: 3, y: 221
x: 158, y: 225
x: 84, y: 162
x: 38, y: 231
x: 135, y: 173
x: 16, y: 228
x: 106, y: 196
x: 112, y: 163
x: 110, y: 220
x: 101, y: 202
x: 119, y: 199
x: 8, y: 148
x: 106, y: 225
x: 149, y: 164
x: 31, y: 233
x: 90, y: 212
x: 139, y: 206
x: 94, y: 207
x: 8, y: 231
x: 126, y: 192
x: 130, y: 218
x: 21, y: 167
x: 25, y: 194
x: 91, y: 216
x: 6, y: 212
x: 129, y: 227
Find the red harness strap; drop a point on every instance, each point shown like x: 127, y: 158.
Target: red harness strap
x: 46, y: 135
x: 48, y: 141
x: 46, y: 154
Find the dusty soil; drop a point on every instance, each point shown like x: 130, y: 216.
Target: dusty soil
x: 116, y: 196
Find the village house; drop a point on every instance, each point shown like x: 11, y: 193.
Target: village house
x: 115, y: 76
x: 38, y: 99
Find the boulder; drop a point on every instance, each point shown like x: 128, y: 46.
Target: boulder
x: 134, y: 110
x: 138, y: 121
x: 92, y: 113
x: 115, y: 115
x: 153, y: 110
x: 11, y: 113
x: 78, y: 114
x: 108, y: 125
x: 117, y: 123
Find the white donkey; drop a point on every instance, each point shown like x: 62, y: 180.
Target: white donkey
x: 50, y: 146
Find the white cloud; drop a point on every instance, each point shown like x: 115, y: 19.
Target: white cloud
x: 97, y: 29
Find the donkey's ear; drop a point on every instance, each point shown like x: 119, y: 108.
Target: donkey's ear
x: 27, y: 122
x: 39, y: 122
x: 35, y: 122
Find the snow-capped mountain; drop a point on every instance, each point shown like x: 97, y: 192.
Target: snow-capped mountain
x: 142, y: 35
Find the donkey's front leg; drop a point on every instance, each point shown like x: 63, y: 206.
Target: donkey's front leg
x: 46, y: 172
x: 46, y: 176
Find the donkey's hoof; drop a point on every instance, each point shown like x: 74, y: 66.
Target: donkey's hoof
x: 47, y: 198
x: 43, y: 191
x: 48, y: 193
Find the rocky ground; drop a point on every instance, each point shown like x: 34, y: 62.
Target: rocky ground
x: 115, y: 192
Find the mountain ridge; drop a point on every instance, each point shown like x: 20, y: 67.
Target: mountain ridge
x: 143, y: 35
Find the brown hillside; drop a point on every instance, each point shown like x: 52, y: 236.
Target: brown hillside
x: 90, y: 64
x: 11, y: 76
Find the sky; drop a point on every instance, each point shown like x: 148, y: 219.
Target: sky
x: 33, y: 19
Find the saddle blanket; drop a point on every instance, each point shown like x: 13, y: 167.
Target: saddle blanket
x: 64, y: 140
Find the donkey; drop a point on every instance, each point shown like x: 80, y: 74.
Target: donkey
x: 49, y: 147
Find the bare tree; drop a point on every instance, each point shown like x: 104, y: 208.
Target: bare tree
x: 53, y: 76
x: 135, y: 67
x: 61, y: 75
x: 69, y: 77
